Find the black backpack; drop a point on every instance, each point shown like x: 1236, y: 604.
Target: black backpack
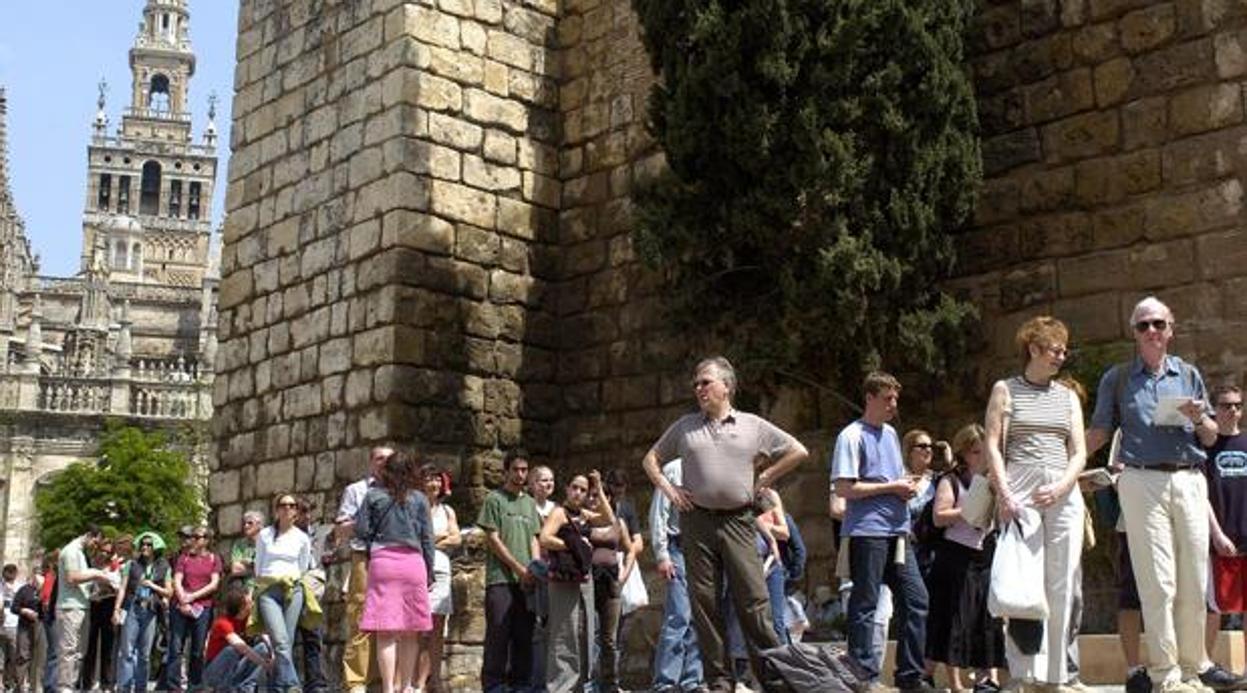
x: 924, y: 529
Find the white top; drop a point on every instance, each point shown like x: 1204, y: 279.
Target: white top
x: 544, y: 509
x: 9, y: 590
x: 441, y: 521
x: 352, y: 499
x: 289, y: 554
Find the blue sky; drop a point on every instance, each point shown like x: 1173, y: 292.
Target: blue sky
x: 52, y: 56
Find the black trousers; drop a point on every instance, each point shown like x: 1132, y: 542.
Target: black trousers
x: 509, y: 625
x: 100, y: 645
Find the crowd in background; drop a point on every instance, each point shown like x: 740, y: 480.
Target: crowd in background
x: 921, y: 526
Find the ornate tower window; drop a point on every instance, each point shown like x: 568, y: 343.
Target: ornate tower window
x: 158, y: 94
x: 175, y: 198
x: 192, y: 202
x: 104, y: 192
x: 149, y: 200
x: 123, y: 195
x: 120, y: 256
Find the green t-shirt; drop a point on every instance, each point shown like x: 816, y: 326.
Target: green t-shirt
x: 72, y: 596
x: 515, y: 519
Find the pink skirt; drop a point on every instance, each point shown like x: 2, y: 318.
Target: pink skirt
x: 398, y: 594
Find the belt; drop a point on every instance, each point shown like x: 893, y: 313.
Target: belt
x: 729, y: 511
x: 1165, y: 466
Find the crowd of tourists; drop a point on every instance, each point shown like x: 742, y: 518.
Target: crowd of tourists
x: 947, y: 540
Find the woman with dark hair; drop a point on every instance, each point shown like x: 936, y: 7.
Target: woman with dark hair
x: 445, y: 537
x: 146, y: 585
x: 960, y: 631
x: 395, y: 522
x: 608, y: 540
x: 283, y: 555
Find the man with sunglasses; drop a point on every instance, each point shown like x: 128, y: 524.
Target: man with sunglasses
x: 1163, y: 496
x: 719, y: 446
x: 1226, y: 471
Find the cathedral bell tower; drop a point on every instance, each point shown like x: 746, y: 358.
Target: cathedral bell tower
x: 149, y: 187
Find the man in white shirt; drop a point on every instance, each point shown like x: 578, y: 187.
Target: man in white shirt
x: 357, y: 667
x: 8, y: 634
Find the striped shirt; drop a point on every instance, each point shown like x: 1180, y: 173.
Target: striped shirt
x: 1039, y: 424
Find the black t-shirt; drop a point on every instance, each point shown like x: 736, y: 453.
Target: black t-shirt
x: 627, y: 513
x: 1226, y: 470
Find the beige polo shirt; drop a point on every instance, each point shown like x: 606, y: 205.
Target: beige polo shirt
x: 718, y: 455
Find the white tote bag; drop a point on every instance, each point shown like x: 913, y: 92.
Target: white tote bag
x: 978, y: 503
x: 1017, y: 587
x: 633, y: 594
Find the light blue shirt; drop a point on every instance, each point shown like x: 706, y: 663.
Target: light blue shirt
x: 866, y: 453
x: 664, y: 518
x: 1144, y: 443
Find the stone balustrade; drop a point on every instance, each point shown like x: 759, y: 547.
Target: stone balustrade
x: 77, y: 395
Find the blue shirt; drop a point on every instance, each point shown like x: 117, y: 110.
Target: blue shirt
x: 866, y: 453
x: 1143, y: 443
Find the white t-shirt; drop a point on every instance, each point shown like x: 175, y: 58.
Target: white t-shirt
x: 289, y: 554
x: 9, y: 590
x: 441, y: 521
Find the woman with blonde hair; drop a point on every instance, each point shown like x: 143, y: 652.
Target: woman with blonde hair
x: 1038, y: 424
x: 960, y: 631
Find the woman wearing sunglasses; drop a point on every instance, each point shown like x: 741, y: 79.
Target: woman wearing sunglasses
x: 146, y: 585
x: 283, y: 554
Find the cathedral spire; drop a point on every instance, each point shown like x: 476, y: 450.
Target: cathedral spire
x: 6, y: 195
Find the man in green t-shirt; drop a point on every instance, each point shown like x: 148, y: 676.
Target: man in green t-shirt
x: 509, y: 518
x: 74, y: 598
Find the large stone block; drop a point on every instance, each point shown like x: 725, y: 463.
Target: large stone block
x: 1081, y: 136
x: 1205, y: 107
x: 1148, y: 28
x: 1189, y: 213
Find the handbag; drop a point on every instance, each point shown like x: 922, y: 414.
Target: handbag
x: 1015, y: 592
x: 633, y: 595
x: 978, y: 505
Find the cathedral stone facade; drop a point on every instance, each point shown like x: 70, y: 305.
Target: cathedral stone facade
x: 132, y: 334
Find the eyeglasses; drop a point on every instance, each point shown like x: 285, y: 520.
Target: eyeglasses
x: 1158, y: 324
x: 1057, y: 351
x: 1230, y: 405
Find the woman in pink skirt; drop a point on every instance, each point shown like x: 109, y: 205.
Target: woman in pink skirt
x: 394, y: 521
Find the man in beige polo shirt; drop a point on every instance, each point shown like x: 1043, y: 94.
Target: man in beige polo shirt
x: 719, y: 445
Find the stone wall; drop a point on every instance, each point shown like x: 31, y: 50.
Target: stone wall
x: 1114, y: 154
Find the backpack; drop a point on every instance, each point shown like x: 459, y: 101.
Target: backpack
x: 924, y: 530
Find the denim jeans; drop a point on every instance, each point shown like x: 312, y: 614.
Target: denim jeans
x: 134, y: 649
x: 779, y: 602
x: 279, y: 611
x: 677, y: 661
x: 871, y: 564
x: 230, y: 671
x: 182, y: 627
x: 52, y: 656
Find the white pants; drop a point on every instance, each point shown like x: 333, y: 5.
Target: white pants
x: 1063, y: 527
x: 1167, y: 527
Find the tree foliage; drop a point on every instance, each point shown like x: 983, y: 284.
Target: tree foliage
x: 820, y: 154
x: 140, y: 482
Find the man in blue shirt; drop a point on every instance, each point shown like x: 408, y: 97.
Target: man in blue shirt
x: 1163, y: 496
x: 867, y: 471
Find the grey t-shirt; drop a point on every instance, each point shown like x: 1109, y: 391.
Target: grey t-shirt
x: 718, y: 455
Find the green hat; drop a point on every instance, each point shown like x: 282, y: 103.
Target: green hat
x: 158, y: 544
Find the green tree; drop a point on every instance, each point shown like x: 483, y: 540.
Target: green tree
x: 142, y: 481
x: 820, y: 154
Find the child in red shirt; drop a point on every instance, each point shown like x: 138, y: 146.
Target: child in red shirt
x: 233, y: 664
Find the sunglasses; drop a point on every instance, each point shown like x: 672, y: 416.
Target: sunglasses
x: 199, y: 536
x: 704, y: 382
x: 922, y: 446
x: 145, y: 545
x: 287, y: 505
x: 1159, y: 325
x: 1230, y: 405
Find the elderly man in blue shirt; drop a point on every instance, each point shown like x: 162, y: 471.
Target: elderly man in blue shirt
x: 1163, y: 496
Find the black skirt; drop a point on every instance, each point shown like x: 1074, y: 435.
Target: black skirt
x: 960, y: 630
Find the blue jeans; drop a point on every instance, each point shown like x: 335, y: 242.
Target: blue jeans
x: 779, y: 602
x: 230, y: 671
x: 677, y: 661
x: 135, y: 647
x: 870, y: 565
x: 181, y: 627
x: 53, y: 649
x: 279, y: 612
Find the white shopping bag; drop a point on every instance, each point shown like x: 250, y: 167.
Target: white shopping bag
x: 633, y: 595
x: 1017, y: 587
